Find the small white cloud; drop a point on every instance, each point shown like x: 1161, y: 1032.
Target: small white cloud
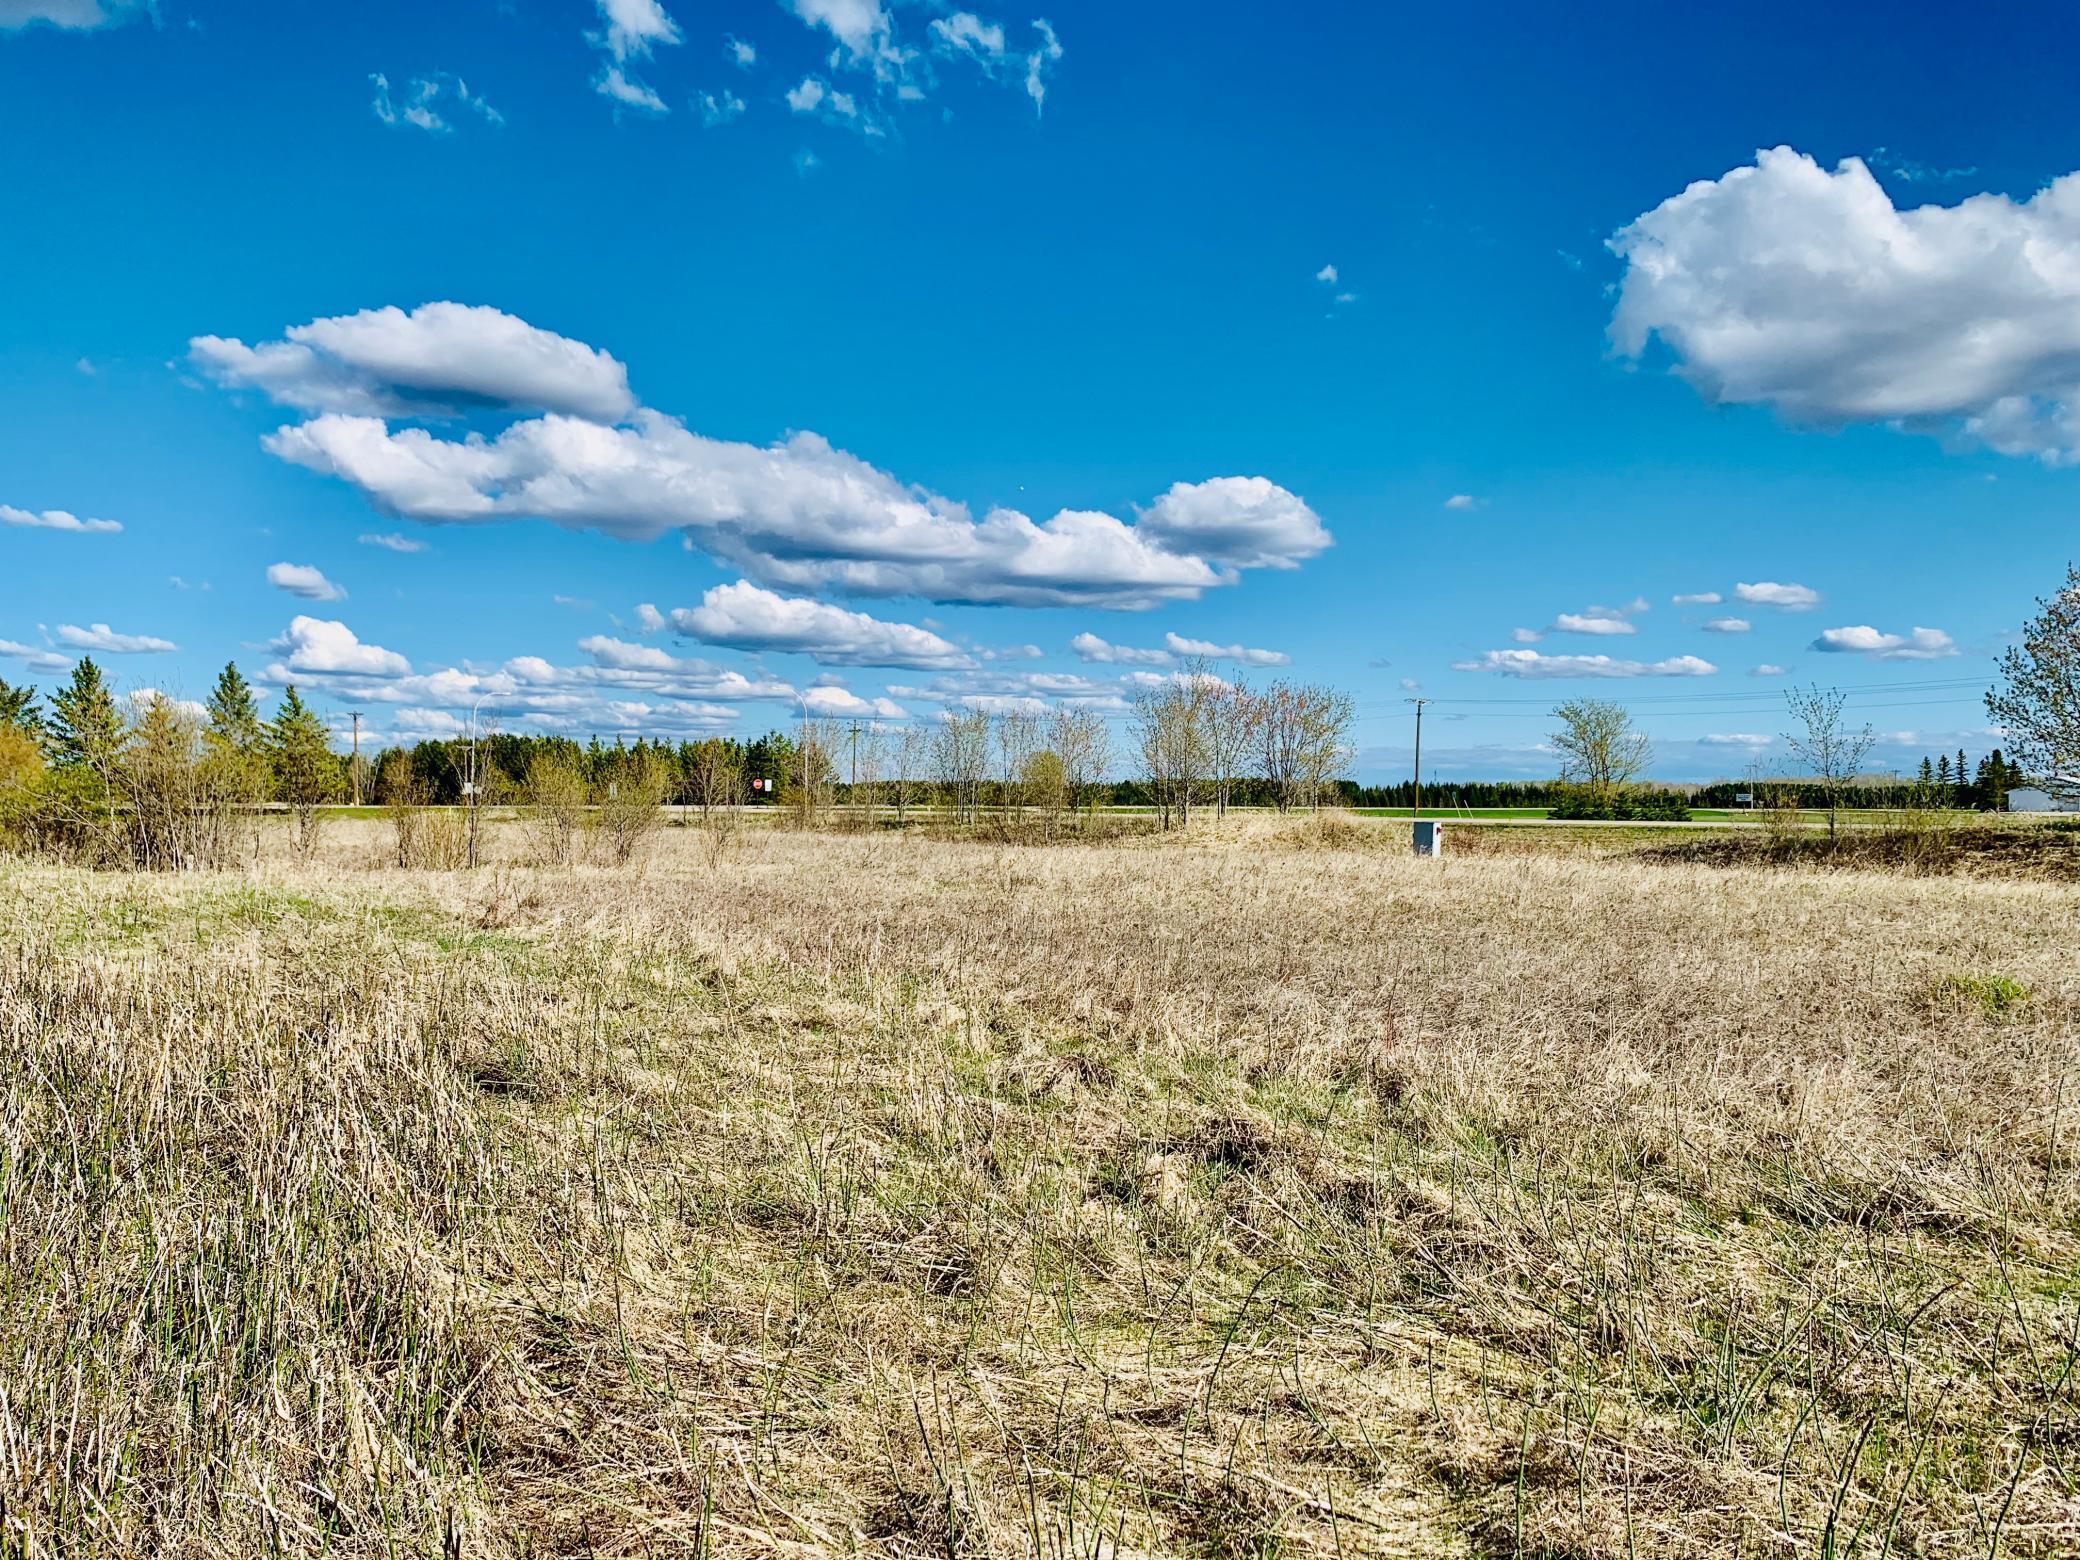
x: 1532, y: 664
x: 1702, y: 598
x: 741, y: 54
x: 1728, y: 625
x: 1206, y: 650
x: 99, y: 636
x: 1327, y: 275
x: 72, y: 15
x: 86, y: 366
x: 1597, y: 620
x: 633, y: 28
x: 1089, y: 647
x: 966, y: 33
x: 393, y: 540
x: 302, y: 579
x: 719, y: 109
x: 806, y: 162
x: 624, y: 90
x: 37, y: 658
x: 1463, y: 501
x: 1040, y: 64
x: 1526, y: 636
x: 142, y: 699
x: 840, y: 703
x: 1767, y: 669
x: 649, y: 619
x: 419, y: 105
x: 1919, y: 644
x: 55, y: 520
x: 1789, y: 598
x: 1737, y: 739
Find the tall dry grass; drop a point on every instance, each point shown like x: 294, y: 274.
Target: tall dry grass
x: 870, y: 1194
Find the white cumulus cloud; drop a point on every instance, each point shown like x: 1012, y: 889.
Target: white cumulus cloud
x: 1768, y: 593
x: 324, y: 645
x: 305, y: 580
x: 1245, y: 522
x: 745, y: 617
x: 1728, y: 625
x: 434, y: 361
x: 99, y: 636
x: 798, y: 515
x: 1807, y: 290
x: 1918, y: 644
x: 1702, y: 598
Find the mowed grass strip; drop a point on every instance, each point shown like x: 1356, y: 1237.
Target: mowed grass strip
x: 1264, y: 1194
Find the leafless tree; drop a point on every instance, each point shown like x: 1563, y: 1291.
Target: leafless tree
x: 1303, y: 738
x: 1018, y: 738
x: 1231, y: 718
x: 1079, y: 738
x: 869, y: 759
x: 913, y: 751
x: 960, y: 758
x: 1169, y: 727
x: 717, y: 776
x: 1825, y: 743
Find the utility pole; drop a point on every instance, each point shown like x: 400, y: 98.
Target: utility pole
x: 1417, y: 812
x: 354, y: 764
x: 469, y: 786
x: 852, y: 788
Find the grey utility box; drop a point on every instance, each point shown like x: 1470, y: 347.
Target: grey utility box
x: 1429, y: 836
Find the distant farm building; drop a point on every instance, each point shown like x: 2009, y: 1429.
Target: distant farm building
x: 2033, y: 799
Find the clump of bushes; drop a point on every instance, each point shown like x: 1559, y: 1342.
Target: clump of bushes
x: 1584, y: 805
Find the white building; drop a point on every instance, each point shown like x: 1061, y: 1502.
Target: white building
x: 2033, y: 799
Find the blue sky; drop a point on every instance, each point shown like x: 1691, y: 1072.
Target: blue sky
x: 895, y: 355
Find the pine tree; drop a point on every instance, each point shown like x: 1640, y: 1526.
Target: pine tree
x: 1962, y: 776
x: 305, y: 771
x: 18, y: 710
x: 1928, y: 771
x: 234, y: 714
x: 86, y: 728
x: 1943, y: 772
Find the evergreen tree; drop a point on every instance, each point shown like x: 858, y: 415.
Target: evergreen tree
x: 1962, y: 776
x: 18, y: 711
x: 86, y: 728
x: 306, y: 773
x: 1943, y: 771
x: 234, y: 715
x: 1928, y: 771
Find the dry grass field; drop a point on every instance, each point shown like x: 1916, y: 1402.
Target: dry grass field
x: 1264, y: 1193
